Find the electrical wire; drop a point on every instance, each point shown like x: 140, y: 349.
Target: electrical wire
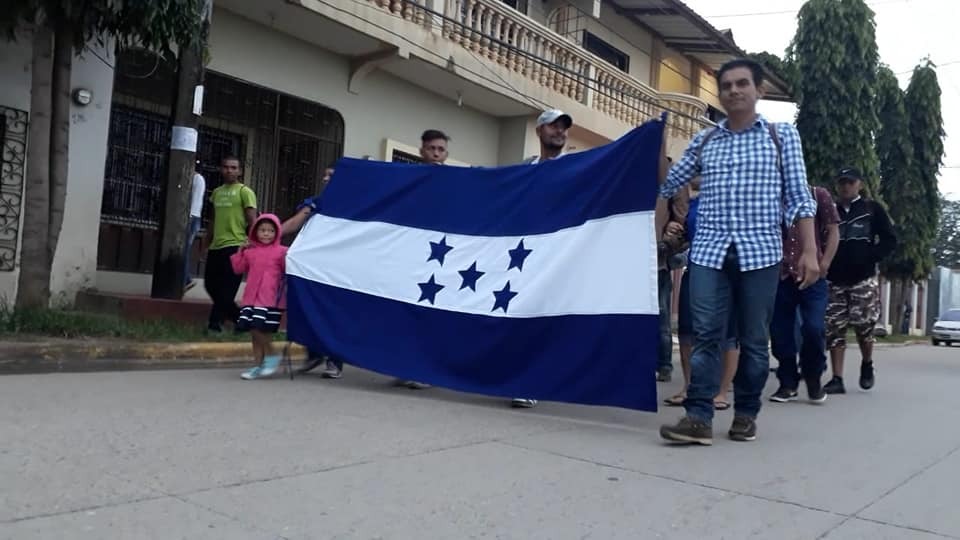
x: 95, y: 53
x: 786, y: 11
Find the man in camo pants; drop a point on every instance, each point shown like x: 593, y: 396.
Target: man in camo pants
x: 866, y: 237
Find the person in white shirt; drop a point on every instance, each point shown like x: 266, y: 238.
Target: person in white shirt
x: 197, y: 191
x: 552, y: 127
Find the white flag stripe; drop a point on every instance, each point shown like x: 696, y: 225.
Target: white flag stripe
x: 606, y: 266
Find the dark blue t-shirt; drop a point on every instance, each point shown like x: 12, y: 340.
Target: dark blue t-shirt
x: 691, y: 224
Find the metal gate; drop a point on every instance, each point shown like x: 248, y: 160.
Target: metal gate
x: 283, y: 142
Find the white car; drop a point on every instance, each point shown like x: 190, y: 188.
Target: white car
x: 947, y: 328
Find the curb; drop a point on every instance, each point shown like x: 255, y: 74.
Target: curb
x: 45, y: 357
x: 67, y: 357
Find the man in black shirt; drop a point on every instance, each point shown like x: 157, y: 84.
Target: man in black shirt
x: 866, y: 237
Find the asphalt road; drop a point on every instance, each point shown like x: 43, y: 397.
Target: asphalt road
x: 202, y: 454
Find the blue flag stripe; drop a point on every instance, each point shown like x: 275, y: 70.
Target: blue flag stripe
x: 517, y: 200
x: 589, y: 359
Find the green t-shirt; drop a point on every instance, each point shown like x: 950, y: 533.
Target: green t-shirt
x: 229, y: 221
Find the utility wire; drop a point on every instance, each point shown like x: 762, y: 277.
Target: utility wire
x: 786, y: 11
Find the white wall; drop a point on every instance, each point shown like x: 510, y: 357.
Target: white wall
x: 75, y: 263
x: 14, y: 93
x: 385, y: 108
x: 611, y: 27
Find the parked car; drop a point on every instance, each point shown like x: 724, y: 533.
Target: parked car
x: 946, y: 329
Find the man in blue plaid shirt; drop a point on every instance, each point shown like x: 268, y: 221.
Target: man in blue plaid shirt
x: 753, y: 181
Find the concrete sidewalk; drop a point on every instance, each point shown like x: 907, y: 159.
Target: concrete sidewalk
x: 201, y: 454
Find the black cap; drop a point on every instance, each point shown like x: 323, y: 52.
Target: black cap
x: 849, y: 173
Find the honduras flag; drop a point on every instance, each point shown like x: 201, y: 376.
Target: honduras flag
x: 534, y: 281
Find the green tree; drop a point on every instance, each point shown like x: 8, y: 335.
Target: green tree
x: 926, y: 133
x: 780, y: 67
x: 834, y: 58
x: 899, y: 186
x: 59, y: 29
x: 947, y: 245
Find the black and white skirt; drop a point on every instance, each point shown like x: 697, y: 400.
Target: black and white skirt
x: 259, y: 318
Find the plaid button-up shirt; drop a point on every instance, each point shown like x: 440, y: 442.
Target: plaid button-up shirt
x: 744, y: 200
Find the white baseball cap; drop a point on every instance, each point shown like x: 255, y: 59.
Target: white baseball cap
x: 552, y: 115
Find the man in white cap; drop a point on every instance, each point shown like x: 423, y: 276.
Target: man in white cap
x: 552, y: 127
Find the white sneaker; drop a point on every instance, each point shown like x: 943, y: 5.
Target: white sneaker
x: 270, y: 365
x: 251, y: 374
x: 523, y: 403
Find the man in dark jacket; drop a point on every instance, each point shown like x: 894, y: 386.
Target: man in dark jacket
x: 866, y: 237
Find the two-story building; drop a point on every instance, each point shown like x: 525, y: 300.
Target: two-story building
x: 292, y: 85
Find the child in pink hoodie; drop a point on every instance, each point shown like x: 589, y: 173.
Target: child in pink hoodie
x: 263, y: 259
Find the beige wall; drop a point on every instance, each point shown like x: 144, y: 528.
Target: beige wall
x: 385, y: 108
x: 75, y: 262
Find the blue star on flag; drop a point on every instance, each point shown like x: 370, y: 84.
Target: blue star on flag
x: 503, y: 297
x: 429, y: 290
x: 517, y: 256
x: 439, y: 250
x: 470, y: 277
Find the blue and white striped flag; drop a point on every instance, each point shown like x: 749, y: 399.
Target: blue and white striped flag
x: 533, y: 281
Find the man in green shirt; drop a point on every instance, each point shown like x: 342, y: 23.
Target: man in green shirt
x: 234, y: 208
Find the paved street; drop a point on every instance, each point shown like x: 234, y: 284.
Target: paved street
x: 202, y: 454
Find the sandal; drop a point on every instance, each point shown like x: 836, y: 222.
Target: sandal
x: 675, y: 400
x: 720, y: 405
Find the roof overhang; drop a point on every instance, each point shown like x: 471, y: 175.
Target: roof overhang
x: 683, y: 30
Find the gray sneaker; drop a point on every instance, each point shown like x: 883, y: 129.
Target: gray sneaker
x: 744, y: 428
x: 331, y: 371
x: 311, y: 364
x: 523, y: 403
x: 688, y: 430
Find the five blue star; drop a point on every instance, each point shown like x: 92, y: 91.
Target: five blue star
x: 503, y: 297
x: 517, y: 256
x: 439, y: 250
x: 429, y: 290
x: 470, y: 277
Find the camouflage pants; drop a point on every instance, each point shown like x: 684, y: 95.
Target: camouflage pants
x: 852, y: 305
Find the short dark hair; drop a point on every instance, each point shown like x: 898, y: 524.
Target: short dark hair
x: 432, y: 135
x: 230, y: 157
x: 755, y: 68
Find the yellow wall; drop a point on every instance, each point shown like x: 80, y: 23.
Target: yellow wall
x: 674, y: 73
x: 708, y: 88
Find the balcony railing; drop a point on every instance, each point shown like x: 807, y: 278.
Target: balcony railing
x: 495, y: 32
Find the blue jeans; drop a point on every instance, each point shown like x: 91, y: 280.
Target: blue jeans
x: 685, y: 322
x: 713, y: 293
x: 193, y: 227
x: 665, y: 292
x: 811, y: 303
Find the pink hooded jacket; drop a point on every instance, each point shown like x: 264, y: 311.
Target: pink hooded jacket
x: 265, y: 267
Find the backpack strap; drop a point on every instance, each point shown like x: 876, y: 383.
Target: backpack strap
x: 772, y: 128
x: 703, y: 142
